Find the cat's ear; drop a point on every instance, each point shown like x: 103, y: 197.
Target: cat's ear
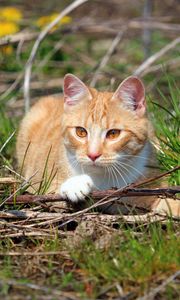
x: 75, y: 90
x: 131, y: 93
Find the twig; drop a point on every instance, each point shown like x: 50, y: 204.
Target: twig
x: 149, y: 180
x: 155, y: 291
x: 26, y: 253
x: 145, y: 65
x: 96, y: 195
x: 107, y: 56
x: 11, y: 87
x: 53, y: 292
x: 51, y: 218
x: 24, y: 234
x: 21, y: 186
x: 16, y: 38
x: 40, y: 38
x: 170, y: 65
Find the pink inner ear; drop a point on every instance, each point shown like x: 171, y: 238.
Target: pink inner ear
x: 132, y: 94
x: 74, y: 90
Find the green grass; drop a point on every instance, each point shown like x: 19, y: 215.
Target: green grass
x: 136, y: 260
x: 166, y: 120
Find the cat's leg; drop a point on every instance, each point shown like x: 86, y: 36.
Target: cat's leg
x: 77, y: 187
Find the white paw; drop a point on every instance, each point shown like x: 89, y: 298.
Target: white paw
x: 76, y: 188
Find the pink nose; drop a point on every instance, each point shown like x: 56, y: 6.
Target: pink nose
x: 94, y: 156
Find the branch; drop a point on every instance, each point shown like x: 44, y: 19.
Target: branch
x: 40, y: 38
x: 96, y: 195
x: 148, y: 62
x: 152, y: 179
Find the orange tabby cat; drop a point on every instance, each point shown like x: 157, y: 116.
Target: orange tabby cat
x: 91, y: 139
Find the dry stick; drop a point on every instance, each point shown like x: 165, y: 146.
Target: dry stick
x: 40, y: 38
x: 107, y: 56
x: 48, y: 253
x: 151, y: 179
x: 170, y: 65
x: 139, y: 71
x: 109, y: 193
x: 24, y: 234
x: 51, y: 218
x: 160, y: 287
x: 16, y: 38
x: 52, y: 292
x: 21, y: 186
x: 152, y: 24
x: 96, y: 195
x: 12, y: 87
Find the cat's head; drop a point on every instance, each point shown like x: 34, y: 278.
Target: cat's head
x: 100, y: 128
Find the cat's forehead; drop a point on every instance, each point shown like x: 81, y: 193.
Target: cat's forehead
x: 103, y: 111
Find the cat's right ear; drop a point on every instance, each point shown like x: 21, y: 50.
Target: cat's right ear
x: 75, y: 90
x: 131, y: 94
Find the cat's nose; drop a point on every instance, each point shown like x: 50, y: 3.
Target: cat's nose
x: 94, y: 156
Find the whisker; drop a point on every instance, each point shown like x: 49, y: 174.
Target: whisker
x: 133, y: 156
x: 130, y: 166
x: 108, y: 175
x: 114, y: 176
x: 126, y: 173
x: 119, y: 172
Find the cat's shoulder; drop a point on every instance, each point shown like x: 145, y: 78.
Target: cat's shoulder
x: 49, y: 103
x: 45, y: 107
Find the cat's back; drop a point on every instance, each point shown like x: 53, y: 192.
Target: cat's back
x: 40, y: 126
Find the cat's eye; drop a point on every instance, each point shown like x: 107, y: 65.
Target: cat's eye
x: 113, y: 134
x: 81, y: 132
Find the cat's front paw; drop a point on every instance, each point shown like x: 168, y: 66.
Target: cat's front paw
x: 76, y: 188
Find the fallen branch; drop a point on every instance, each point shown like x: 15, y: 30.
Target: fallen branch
x: 96, y: 195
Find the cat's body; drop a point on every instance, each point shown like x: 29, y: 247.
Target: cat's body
x: 89, y: 139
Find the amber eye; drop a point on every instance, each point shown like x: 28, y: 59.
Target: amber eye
x: 113, y: 134
x: 81, y: 132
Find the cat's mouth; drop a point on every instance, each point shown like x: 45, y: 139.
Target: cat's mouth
x: 97, y: 163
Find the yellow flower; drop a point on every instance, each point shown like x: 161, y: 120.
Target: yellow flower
x: 7, y: 50
x: 7, y: 28
x: 43, y: 21
x: 11, y: 14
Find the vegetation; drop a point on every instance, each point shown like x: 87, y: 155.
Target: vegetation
x: 118, y: 260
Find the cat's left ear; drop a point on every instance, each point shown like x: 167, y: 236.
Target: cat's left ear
x: 131, y: 94
x: 75, y: 90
